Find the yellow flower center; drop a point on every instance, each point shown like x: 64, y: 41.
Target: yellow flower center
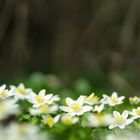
x: 39, y: 99
x: 75, y: 107
x: 21, y: 90
x: 137, y: 111
x: 99, y: 118
x: 119, y: 119
x: 49, y: 121
x: 4, y: 93
x: 92, y: 99
x: 134, y: 100
x: 67, y: 120
x: 113, y: 100
x: 43, y: 108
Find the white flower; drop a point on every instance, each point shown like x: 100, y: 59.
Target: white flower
x: 96, y: 120
x: 98, y: 108
x: 134, y: 100
x: 54, y: 99
x: 67, y: 119
x: 20, y: 91
x: 22, y: 132
x: 5, y: 93
x: 8, y: 107
x: 135, y: 113
x: 76, y: 107
x: 44, y: 109
x: 113, y: 99
x: 39, y: 99
x: 120, y: 120
x: 49, y: 120
x: 91, y: 99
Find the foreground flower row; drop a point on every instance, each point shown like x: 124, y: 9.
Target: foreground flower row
x: 88, y: 111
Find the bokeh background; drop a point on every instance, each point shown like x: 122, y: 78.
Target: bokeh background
x: 86, y: 44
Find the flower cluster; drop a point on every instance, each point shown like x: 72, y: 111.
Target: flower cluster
x: 88, y: 111
x: 16, y: 131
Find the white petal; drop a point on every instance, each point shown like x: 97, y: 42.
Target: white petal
x: 105, y: 96
x: 115, y: 95
x: 11, y: 91
x: 91, y: 95
x: 116, y: 114
x: 112, y: 126
x: 42, y: 92
x: 78, y: 113
x: 55, y: 98
x: 21, y: 85
x: 54, y: 108
x: 34, y: 111
x: 122, y: 126
x: 64, y: 108
x: 45, y: 117
x: 125, y: 114
x: 87, y: 108
x: 81, y: 99
x: 75, y: 120
x: 121, y: 98
x: 56, y: 118
x: 31, y: 97
x: 48, y: 97
x: 128, y: 121
x: 69, y: 101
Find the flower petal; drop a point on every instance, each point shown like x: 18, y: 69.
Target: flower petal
x: 42, y: 92
x: 87, y: 108
x: 115, y: 95
x: 121, y: 98
x: 81, y: 99
x: 128, y: 121
x: 56, y: 118
x: 65, y: 108
x: 116, y: 114
x: 112, y: 126
x: 69, y: 101
x: 125, y: 114
x: 122, y: 126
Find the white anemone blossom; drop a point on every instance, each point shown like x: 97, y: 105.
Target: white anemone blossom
x: 40, y: 99
x: 54, y: 99
x: 49, y: 120
x: 44, y: 109
x: 91, y: 99
x: 120, y: 120
x: 113, y: 99
x: 97, y: 120
x: 17, y: 131
x: 5, y: 93
x: 99, y: 108
x: 134, y: 100
x: 67, y: 119
x: 20, y: 92
x: 8, y: 107
x: 76, y: 107
x: 135, y: 113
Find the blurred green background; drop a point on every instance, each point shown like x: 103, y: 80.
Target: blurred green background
x: 71, y: 45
